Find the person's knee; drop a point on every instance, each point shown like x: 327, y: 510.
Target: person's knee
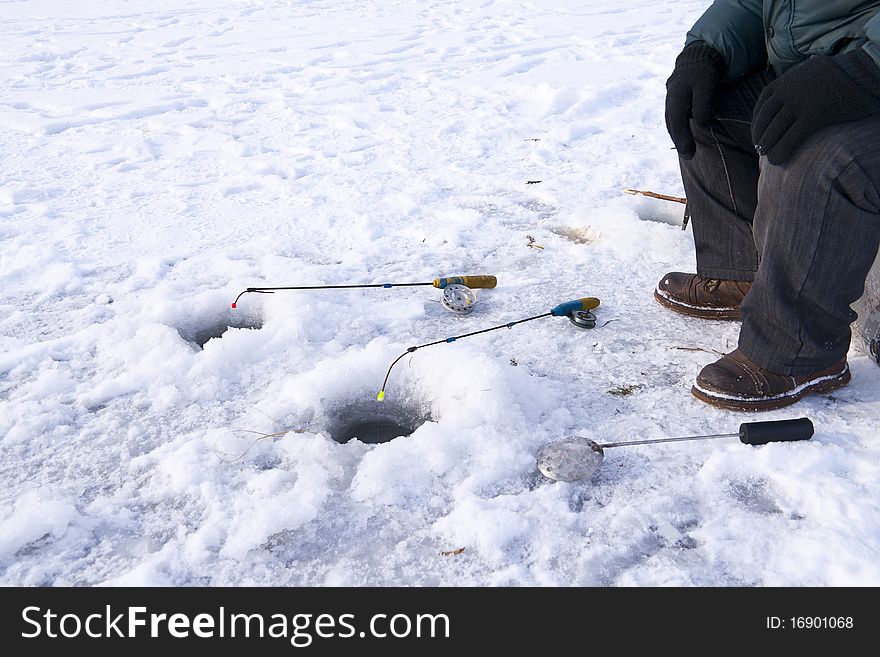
x: 840, y: 155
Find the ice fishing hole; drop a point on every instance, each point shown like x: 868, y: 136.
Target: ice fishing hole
x: 673, y: 215
x: 374, y: 422
x: 215, y: 328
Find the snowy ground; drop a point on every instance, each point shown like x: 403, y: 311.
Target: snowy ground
x: 157, y: 161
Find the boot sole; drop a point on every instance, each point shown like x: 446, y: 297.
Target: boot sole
x: 703, y: 312
x: 729, y: 402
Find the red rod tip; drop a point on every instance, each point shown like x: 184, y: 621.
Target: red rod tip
x: 233, y: 304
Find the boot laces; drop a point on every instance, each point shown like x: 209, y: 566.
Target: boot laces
x: 711, y: 284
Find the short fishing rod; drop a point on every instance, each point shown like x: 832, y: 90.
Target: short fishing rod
x: 578, y: 312
x: 480, y: 281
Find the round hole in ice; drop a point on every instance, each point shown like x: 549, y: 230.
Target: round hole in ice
x: 199, y: 330
x: 375, y: 422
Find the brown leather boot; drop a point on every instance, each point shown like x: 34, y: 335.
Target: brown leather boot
x: 709, y: 298
x: 736, y: 383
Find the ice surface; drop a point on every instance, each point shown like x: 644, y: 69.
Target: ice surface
x: 159, y: 158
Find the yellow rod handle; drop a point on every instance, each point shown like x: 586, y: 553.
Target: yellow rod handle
x: 480, y: 281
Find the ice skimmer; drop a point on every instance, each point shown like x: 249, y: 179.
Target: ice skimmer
x: 576, y: 457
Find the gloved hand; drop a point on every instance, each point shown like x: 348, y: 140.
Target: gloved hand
x: 699, y: 70
x: 821, y: 91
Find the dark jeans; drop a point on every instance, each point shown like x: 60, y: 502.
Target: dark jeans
x: 805, y: 232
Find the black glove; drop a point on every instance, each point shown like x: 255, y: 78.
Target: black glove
x: 699, y: 70
x: 821, y: 91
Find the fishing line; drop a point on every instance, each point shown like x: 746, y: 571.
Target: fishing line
x: 262, y: 436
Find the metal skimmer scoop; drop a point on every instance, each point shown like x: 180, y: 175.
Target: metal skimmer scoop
x: 576, y: 457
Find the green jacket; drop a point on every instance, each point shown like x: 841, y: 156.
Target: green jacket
x: 750, y: 33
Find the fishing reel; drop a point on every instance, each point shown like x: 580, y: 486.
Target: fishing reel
x: 579, y: 312
x: 583, y: 319
x: 458, y: 299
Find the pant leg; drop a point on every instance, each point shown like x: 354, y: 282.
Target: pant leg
x: 817, y: 229
x: 721, y: 182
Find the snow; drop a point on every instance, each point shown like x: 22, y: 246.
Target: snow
x: 158, y: 160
